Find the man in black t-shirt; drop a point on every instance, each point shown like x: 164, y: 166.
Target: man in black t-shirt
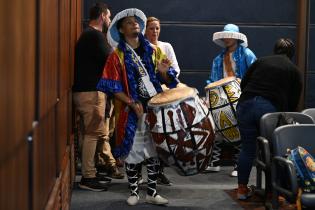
x: 271, y: 84
x: 91, y: 54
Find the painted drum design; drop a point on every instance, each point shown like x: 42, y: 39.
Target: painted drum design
x: 222, y: 97
x: 182, y: 129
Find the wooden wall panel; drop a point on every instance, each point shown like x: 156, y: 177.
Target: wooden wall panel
x: 45, y: 159
x: 54, y: 201
x: 17, y: 76
x: 64, y: 49
x: 72, y: 162
x: 62, y: 129
x: 65, y: 181
x: 48, y: 55
x: 75, y: 30
x: 36, y: 59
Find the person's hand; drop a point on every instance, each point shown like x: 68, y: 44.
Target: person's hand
x: 137, y: 108
x: 164, y: 65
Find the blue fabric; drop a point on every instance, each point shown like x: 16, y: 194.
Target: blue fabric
x: 305, y: 167
x: 109, y: 86
x: 231, y: 28
x: 130, y: 131
x: 172, y: 75
x: 131, y: 67
x: 243, y: 58
x: 248, y: 114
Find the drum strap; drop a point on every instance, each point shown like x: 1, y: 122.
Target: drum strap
x: 144, y: 76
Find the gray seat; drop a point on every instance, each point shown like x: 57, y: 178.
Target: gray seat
x: 284, y: 179
x: 268, y: 123
x: 310, y: 112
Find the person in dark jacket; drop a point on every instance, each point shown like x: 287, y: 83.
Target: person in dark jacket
x: 271, y: 84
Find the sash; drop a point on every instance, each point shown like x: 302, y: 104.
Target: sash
x: 144, y: 76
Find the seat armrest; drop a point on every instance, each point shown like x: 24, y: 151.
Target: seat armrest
x: 263, y: 153
x: 284, y: 178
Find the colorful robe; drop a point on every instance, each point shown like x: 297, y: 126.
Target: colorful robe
x: 119, y: 76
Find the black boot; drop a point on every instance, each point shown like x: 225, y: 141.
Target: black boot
x: 152, y: 196
x: 132, y: 174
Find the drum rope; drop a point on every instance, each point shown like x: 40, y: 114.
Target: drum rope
x: 216, y: 152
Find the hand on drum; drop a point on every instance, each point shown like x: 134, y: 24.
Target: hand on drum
x: 164, y: 65
x: 137, y: 108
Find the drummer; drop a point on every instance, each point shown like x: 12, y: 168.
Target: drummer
x: 152, y: 33
x: 234, y: 60
x: 133, y: 81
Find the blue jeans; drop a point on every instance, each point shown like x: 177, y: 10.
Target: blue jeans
x: 248, y: 114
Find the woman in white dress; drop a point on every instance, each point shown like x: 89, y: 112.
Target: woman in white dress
x: 152, y: 33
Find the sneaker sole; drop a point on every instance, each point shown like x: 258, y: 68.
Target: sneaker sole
x: 92, y: 189
x: 116, y: 177
x: 155, y: 203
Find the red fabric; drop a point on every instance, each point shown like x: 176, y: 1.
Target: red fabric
x: 115, y: 70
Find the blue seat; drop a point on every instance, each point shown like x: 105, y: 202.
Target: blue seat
x: 284, y: 179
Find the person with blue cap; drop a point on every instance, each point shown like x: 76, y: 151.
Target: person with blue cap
x: 234, y: 60
x: 133, y: 74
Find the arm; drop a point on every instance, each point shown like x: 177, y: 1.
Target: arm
x: 248, y: 74
x: 135, y: 106
x: 110, y: 81
x: 250, y: 57
x: 215, y: 68
x: 296, y: 89
x: 166, y: 73
x: 170, y: 53
x: 102, y: 48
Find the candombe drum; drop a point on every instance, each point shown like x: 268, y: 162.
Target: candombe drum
x: 182, y: 129
x: 222, y: 97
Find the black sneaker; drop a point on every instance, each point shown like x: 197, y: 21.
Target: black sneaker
x: 163, y: 180
x: 103, y: 179
x: 102, y: 169
x: 92, y: 184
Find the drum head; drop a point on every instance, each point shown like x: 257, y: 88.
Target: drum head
x: 172, y: 95
x: 220, y: 82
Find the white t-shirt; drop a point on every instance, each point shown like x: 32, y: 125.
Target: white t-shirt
x: 169, y: 52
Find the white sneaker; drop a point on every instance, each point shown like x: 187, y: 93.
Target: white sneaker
x: 213, y: 169
x: 158, y: 200
x: 133, y: 200
x: 234, y: 173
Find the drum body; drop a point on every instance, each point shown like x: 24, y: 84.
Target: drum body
x: 182, y: 129
x: 222, y: 97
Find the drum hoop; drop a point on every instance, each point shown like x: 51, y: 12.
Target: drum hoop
x: 174, y: 102
x: 212, y: 86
